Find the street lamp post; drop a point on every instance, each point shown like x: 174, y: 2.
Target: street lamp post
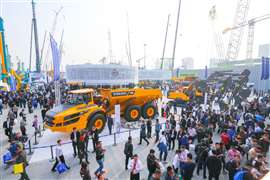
x: 175, y: 37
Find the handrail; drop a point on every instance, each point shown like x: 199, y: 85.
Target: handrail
x: 69, y: 142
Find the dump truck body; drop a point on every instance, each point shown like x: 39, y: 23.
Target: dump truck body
x: 126, y: 97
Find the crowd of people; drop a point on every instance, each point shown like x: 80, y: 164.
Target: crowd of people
x: 240, y: 151
x: 234, y: 141
x: 18, y: 104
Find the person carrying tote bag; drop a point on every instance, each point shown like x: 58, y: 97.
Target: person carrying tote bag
x: 20, y: 165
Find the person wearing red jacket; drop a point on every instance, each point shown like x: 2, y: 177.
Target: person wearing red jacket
x: 225, y: 139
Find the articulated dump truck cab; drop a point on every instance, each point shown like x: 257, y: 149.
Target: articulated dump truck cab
x: 83, y: 110
x: 79, y: 111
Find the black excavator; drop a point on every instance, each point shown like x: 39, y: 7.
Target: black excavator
x: 226, y: 83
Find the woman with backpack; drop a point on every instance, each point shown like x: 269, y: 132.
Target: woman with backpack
x: 84, y: 172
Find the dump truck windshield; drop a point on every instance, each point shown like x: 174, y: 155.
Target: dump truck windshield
x: 76, y: 99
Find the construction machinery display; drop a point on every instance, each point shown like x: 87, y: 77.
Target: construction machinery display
x: 184, y: 90
x: 228, y: 86
x: 85, y: 109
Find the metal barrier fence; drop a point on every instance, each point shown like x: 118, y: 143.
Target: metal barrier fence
x: 30, y: 148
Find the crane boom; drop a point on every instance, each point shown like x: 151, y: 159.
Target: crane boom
x: 237, y: 34
x: 251, y: 30
x: 249, y: 22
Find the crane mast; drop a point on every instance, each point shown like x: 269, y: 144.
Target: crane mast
x: 237, y: 34
x: 250, y: 40
x: 36, y: 37
x: 111, y: 59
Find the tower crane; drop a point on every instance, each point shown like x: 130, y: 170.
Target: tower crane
x: 237, y: 34
x: 217, y: 35
x: 251, y: 30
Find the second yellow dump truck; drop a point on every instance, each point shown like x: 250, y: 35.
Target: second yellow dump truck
x: 85, y: 110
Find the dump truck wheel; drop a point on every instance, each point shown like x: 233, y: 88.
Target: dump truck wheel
x: 133, y: 113
x: 97, y: 121
x: 148, y: 111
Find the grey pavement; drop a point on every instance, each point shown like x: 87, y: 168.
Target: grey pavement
x: 114, y: 164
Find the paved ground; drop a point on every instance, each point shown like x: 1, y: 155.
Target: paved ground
x: 114, y: 164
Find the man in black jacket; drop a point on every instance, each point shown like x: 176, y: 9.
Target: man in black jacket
x: 95, y: 138
x: 75, y: 136
x: 143, y: 134
x: 152, y: 163
x: 128, y: 151
x: 110, y: 123
x: 214, y: 166
x: 82, y: 153
x: 201, y: 151
x: 149, y: 128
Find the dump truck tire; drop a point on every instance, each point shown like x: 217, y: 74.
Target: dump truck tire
x: 133, y: 113
x: 149, y: 111
x: 98, y: 121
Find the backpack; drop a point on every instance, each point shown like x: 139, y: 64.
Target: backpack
x: 239, y: 175
x: 5, y: 125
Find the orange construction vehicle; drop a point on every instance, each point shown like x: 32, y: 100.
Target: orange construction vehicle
x: 84, y: 110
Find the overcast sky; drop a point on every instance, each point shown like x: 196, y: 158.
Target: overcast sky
x: 86, y: 24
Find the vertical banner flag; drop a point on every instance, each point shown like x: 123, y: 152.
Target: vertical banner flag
x: 12, y: 83
x: 56, y: 59
x: 206, y: 72
x: 3, y: 53
x: 266, y: 68
x: 263, y: 69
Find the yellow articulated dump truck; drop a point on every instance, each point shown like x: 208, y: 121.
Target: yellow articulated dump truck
x: 84, y: 109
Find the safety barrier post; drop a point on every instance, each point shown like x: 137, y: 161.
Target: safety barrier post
x: 35, y: 143
x: 52, y: 159
x: 30, y: 148
x: 114, y: 139
x: 39, y: 131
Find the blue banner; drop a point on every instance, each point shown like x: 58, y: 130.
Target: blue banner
x: 263, y: 69
x: 56, y: 59
x: 266, y: 68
